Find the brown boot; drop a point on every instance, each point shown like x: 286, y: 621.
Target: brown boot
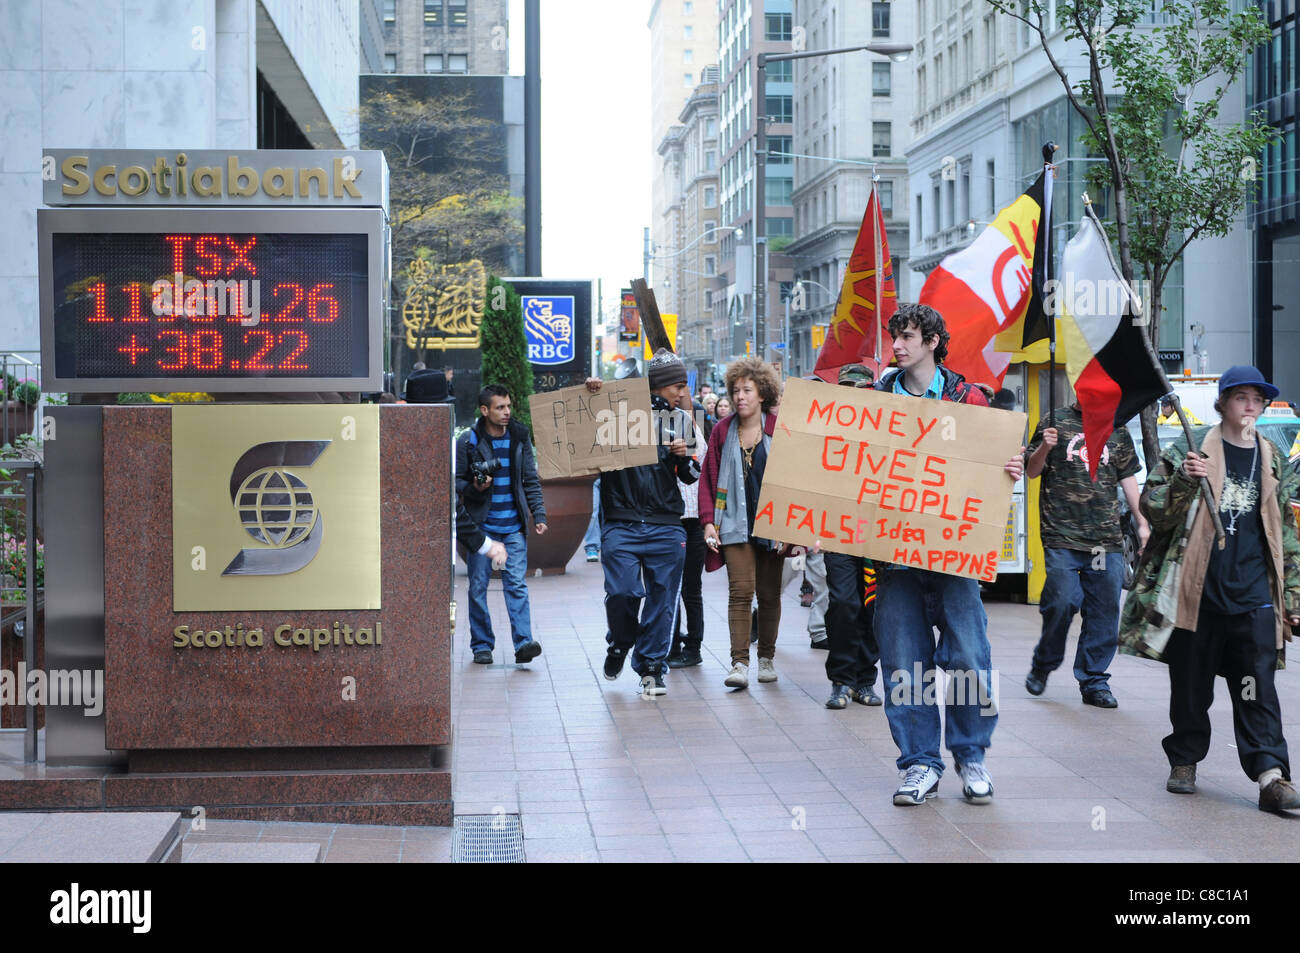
x: 1279, y: 796
x: 1182, y: 780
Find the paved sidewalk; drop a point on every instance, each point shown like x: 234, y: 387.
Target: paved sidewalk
x: 705, y: 773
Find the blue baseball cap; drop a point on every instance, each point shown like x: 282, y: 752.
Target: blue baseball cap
x: 1243, y: 375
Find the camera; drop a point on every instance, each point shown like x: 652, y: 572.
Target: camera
x: 481, y: 470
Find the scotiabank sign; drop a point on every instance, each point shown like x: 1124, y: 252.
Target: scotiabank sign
x: 212, y: 177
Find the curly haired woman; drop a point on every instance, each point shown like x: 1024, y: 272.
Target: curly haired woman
x: 730, y: 484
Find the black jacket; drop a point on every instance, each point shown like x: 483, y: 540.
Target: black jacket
x: 472, y: 504
x: 649, y: 494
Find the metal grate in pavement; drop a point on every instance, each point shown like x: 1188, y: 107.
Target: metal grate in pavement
x: 487, y: 839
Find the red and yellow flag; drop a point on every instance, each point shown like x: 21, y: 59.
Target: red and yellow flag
x: 859, y: 317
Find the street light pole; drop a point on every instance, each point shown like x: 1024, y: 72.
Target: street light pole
x: 895, y: 51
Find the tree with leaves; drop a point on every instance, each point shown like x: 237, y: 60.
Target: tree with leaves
x: 449, y: 193
x: 1151, y: 102
x: 504, y: 348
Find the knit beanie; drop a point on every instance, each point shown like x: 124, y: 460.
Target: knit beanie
x: 665, y: 369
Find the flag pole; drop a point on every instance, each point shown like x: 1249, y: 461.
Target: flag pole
x: 1048, y: 170
x: 1135, y: 303
x: 880, y: 266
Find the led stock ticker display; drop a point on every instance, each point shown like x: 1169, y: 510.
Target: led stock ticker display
x: 222, y: 308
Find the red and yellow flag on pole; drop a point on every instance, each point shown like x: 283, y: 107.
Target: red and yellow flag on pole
x: 866, y: 303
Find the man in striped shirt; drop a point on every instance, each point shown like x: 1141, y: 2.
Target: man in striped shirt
x: 497, y: 487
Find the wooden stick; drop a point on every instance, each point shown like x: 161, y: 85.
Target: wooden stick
x: 656, y: 334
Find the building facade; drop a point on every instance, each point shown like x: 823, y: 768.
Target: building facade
x: 852, y: 119
x: 159, y: 74
x: 987, y: 100
x: 682, y: 72
x: 446, y: 36
x: 686, y: 266
x: 1275, y: 217
x: 745, y: 29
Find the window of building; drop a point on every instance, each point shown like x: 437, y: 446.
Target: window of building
x: 881, y: 79
x: 881, y: 139
x: 390, y: 11
x: 776, y: 26
x: 688, y: 8
x: 708, y: 234
x: 886, y: 192
x: 710, y: 160
x: 782, y: 71
x: 934, y: 215
x: 992, y: 192
x: 688, y: 32
x: 880, y: 18
x: 708, y: 298
x: 710, y: 197
x: 458, y: 12
x: 433, y: 12
x: 778, y: 191
x: 950, y: 203
x: 458, y: 63
x: 688, y: 80
x: 390, y: 62
x: 710, y: 264
x: 688, y: 56
x: 920, y: 222
x: 710, y: 128
x: 780, y: 108
x: 777, y: 145
x: 433, y: 62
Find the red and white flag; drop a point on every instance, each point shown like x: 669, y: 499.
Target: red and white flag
x: 987, y: 287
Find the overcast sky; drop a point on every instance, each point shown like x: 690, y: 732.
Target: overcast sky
x: 595, y: 136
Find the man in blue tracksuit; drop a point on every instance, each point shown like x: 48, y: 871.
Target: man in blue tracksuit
x: 643, y: 544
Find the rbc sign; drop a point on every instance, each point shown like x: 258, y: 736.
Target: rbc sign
x: 548, y: 328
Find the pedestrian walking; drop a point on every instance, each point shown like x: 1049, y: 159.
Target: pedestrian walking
x: 852, y: 651
x: 686, y: 648
x: 496, y: 489
x: 643, y: 543
x: 1083, y: 549
x: 730, y: 482
x: 910, y: 600
x: 1208, y: 611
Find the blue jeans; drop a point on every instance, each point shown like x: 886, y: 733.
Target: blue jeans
x: 909, y: 603
x: 642, y: 561
x: 1074, y: 584
x: 513, y: 585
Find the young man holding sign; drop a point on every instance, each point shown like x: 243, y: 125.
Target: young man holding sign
x: 911, y: 600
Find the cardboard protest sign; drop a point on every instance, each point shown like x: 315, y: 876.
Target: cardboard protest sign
x: 906, y: 480
x: 578, y: 432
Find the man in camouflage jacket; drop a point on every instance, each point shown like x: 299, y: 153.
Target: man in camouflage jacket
x: 1082, y: 549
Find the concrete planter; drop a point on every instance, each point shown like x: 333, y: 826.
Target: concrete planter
x: 568, y: 511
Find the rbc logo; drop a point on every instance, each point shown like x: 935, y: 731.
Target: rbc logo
x: 548, y: 327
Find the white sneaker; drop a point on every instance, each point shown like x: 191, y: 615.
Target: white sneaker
x: 739, y: 676
x: 977, y: 786
x: 766, y: 670
x: 920, y: 783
